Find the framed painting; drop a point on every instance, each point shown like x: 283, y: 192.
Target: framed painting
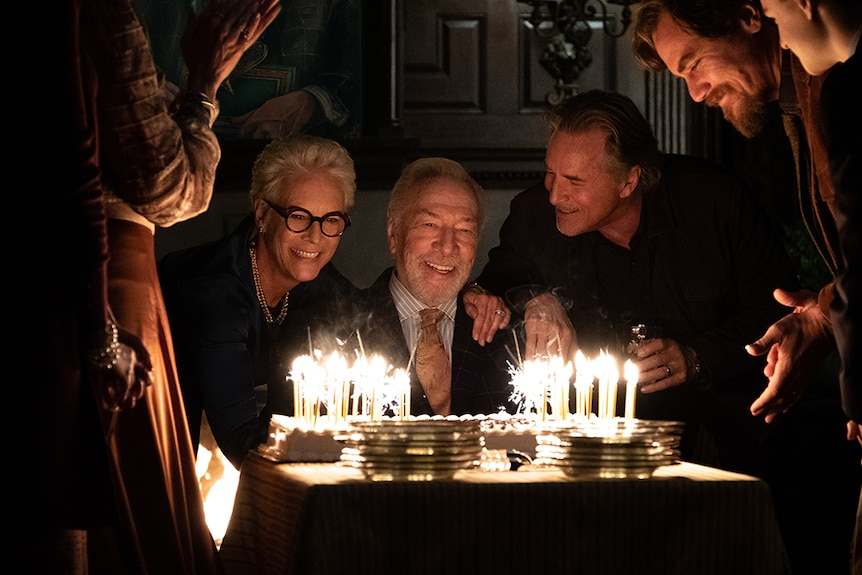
x: 302, y: 75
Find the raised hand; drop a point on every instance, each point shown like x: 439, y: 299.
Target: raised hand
x: 216, y: 38
x: 795, y: 346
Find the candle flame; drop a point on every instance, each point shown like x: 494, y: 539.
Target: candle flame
x: 367, y: 388
x: 631, y: 371
x: 541, y: 388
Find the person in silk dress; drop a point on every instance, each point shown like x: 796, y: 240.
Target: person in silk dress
x: 149, y: 166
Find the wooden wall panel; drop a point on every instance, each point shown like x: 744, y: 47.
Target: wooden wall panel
x: 472, y: 76
x: 446, y: 72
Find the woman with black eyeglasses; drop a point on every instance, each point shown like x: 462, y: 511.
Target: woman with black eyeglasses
x: 243, y: 307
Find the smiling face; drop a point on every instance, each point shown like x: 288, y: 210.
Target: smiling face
x: 587, y: 196
x: 290, y: 258
x: 733, y: 73
x: 435, y: 241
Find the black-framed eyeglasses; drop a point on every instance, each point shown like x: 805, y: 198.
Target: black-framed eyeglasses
x: 299, y: 219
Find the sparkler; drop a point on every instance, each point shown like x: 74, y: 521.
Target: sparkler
x: 541, y: 387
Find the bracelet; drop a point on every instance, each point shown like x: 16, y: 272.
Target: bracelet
x: 212, y: 106
x: 107, y: 356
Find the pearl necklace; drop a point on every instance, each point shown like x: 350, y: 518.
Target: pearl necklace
x: 260, y: 297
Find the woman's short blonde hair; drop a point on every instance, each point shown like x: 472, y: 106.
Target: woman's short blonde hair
x: 293, y: 157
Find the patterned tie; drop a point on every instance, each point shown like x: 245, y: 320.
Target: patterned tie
x: 432, y: 363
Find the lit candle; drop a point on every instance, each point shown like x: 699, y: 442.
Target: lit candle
x: 533, y: 383
x: 334, y: 369
x: 613, y: 386
x: 317, y: 387
x: 631, y: 374
x: 583, y: 385
x: 376, y: 387
x: 608, y: 375
x: 601, y: 371
x: 357, y: 376
x: 563, y: 376
x: 402, y: 383
x: 301, y: 372
x: 559, y: 379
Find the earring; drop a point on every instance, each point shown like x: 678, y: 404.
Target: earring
x: 260, y: 229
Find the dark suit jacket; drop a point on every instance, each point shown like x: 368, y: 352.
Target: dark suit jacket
x: 843, y: 118
x: 480, y: 380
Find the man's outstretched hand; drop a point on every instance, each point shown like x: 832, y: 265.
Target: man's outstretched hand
x: 795, y: 346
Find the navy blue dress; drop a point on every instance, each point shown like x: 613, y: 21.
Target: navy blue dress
x: 232, y: 364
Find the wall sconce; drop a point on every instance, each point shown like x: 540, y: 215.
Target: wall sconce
x: 565, y: 24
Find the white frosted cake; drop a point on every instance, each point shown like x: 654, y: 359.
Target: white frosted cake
x: 292, y: 440
x: 510, y: 433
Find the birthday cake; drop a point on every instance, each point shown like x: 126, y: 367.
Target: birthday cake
x: 510, y: 433
x: 292, y: 440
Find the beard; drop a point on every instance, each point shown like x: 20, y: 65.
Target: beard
x: 430, y: 288
x: 747, y: 114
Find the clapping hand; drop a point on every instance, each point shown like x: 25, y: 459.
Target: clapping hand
x: 794, y: 346
x: 216, y: 38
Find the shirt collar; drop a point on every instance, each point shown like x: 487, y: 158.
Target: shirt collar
x: 408, y: 305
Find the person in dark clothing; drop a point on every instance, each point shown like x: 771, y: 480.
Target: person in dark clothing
x: 242, y: 307
x: 730, y: 55
x: 825, y: 36
x: 620, y: 234
x: 434, y: 220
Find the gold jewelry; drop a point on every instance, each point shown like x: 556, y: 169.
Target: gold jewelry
x: 199, y: 98
x: 260, y: 297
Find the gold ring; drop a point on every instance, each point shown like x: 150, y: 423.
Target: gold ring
x: 667, y: 368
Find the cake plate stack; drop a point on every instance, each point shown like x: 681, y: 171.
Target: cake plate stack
x: 609, y: 448
x: 412, y: 450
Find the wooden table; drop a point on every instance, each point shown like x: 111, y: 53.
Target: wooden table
x: 327, y: 519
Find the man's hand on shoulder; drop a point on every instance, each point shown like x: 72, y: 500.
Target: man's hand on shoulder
x: 489, y: 312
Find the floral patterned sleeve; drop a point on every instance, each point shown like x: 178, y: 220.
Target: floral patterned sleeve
x: 161, y: 162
